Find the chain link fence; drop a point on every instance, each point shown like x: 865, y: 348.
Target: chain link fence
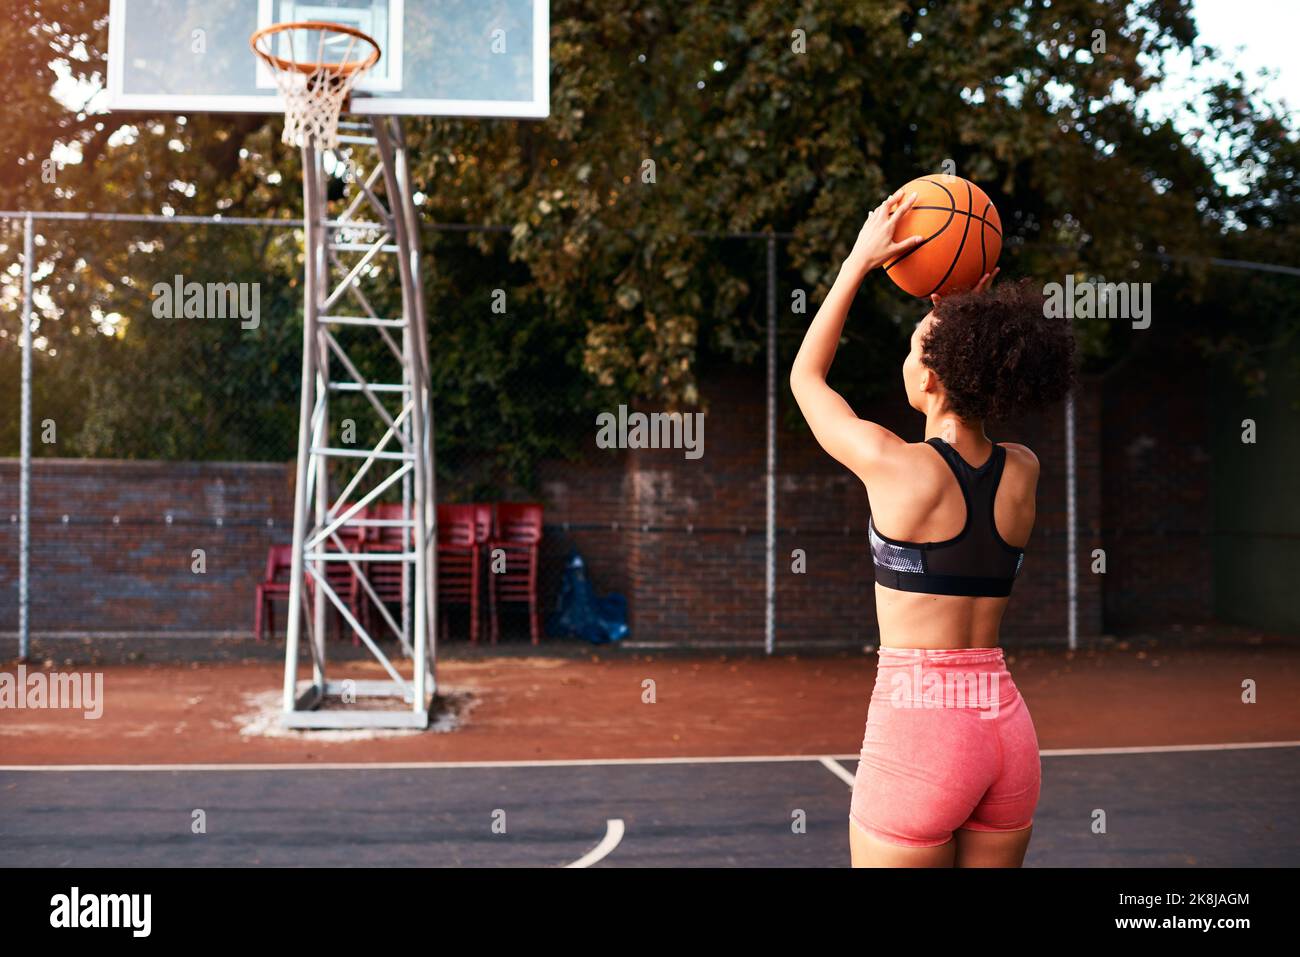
x: 165, y: 386
x: 164, y: 427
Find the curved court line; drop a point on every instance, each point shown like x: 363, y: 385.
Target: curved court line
x: 613, y: 835
x: 597, y: 762
x: 838, y: 770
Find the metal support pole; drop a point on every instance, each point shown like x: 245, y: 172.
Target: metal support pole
x: 770, y: 632
x: 415, y: 380
x: 315, y: 212
x: 393, y: 159
x: 422, y: 378
x: 304, y: 441
x: 25, y: 454
x: 1071, y: 525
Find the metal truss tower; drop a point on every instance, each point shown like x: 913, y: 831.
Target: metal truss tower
x: 348, y: 261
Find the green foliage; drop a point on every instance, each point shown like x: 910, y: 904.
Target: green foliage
x: 748, y: 133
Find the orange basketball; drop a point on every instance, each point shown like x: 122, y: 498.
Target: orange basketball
x: 963, y: 237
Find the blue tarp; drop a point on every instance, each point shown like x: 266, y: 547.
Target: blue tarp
x: 579, y: 613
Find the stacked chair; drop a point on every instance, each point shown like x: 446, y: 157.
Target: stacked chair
x: 480, y: 546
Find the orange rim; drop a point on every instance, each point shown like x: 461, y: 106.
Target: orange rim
x: 343, y: 69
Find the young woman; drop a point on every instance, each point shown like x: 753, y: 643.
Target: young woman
x: 949, y: 773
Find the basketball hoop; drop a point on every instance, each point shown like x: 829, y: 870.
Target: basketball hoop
x: 314, y: 90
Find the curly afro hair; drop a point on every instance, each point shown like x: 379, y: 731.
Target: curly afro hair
x: 996, y: 354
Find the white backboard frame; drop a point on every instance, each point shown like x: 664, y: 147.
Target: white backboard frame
x: 539, y: 107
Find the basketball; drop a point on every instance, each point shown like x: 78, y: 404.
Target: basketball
x: 963, y: 237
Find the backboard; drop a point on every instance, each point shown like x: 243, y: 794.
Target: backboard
x: 439, y: 57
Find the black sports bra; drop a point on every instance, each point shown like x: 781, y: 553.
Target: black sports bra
x: 977, y: 562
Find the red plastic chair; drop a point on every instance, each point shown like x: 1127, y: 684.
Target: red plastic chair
x: 518, y: 535
x: 279, y: 562
x: 458, y: 561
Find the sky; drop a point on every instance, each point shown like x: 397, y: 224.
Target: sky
x: 1251, y: 35
x: 1258, y: 33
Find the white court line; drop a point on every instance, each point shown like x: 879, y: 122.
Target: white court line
x: 838, y: 770
x: 613, y: 834
x: 423, y: 765
x: 598, y: 762
x: 1169, y: 748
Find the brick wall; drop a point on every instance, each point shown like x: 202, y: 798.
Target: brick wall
x: 1156, y: 482
x: 690, y: 549
x: 90, y: 573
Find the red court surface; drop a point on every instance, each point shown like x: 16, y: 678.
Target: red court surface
x: 1139, y: 693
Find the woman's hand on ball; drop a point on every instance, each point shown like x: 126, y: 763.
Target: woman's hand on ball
x: 985, y: 281
x: 876, y: 243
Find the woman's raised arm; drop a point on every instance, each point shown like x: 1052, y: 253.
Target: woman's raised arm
x: 854, y: 442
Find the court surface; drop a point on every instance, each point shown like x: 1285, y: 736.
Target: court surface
x: 1218, y: 805
x: 555, y: 758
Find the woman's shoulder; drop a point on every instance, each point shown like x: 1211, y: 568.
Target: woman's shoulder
x: 1021, y: 469
x: 1022, y: 453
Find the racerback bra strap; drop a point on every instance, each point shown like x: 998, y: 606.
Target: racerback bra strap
x: 977, y: 562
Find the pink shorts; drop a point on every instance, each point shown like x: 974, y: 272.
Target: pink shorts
x: 949, y: 744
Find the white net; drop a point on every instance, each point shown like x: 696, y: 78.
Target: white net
x: 313, y: 103
x: 315, y: 91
